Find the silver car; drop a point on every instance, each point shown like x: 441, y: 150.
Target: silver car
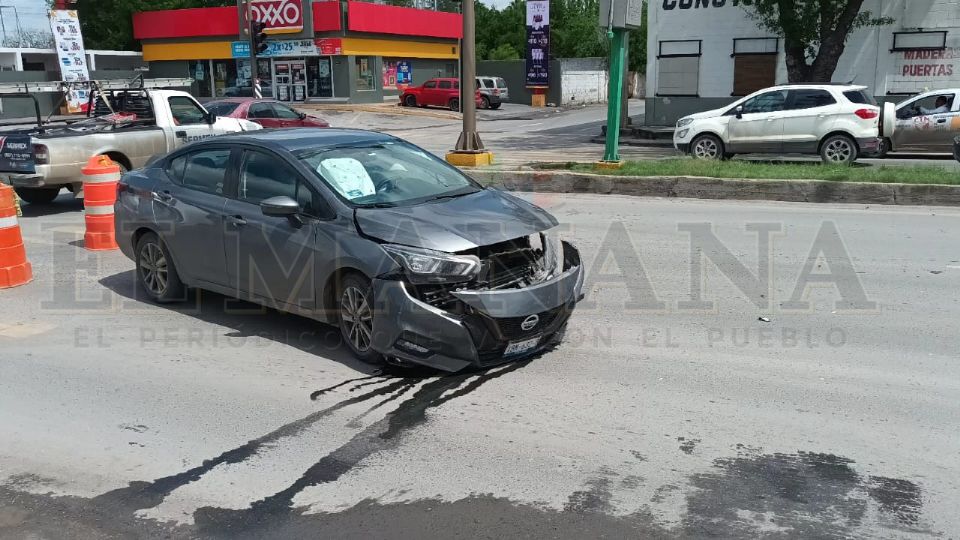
x: 927, y: 123
x: 414, y: 261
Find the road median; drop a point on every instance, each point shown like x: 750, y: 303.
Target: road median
x: 696, y: 187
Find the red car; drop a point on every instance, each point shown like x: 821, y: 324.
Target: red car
x: 435, y: 93
x: 269, y: 113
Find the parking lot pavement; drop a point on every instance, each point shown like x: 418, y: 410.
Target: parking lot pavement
x: 667, y: 412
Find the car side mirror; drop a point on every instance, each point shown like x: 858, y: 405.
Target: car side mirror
x: 281, y: 206
x: 303, y: 116
x: 739, y: 112
x: 211, y: 118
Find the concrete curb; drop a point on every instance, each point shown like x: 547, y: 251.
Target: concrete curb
x: 814, y: 191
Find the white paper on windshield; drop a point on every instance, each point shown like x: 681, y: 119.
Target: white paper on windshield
x: 348, y: 176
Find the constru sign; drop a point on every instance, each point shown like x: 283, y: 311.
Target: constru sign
x: 280, y: 16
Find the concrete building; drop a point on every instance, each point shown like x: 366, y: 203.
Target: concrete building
x: 349, y: 51
x: 23, y: 64
x: 703, y: 54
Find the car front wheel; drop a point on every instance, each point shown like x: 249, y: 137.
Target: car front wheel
x: 707, y: 147
x: 355, y: 310
x: 839, y: 150
x: 156, y: 272
x: 410, y: 101
x: 454, y: 104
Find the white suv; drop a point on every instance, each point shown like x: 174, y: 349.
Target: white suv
x: 839, y: 122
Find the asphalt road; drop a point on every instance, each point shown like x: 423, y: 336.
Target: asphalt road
x: 659, y: 417
x: 518, y: 135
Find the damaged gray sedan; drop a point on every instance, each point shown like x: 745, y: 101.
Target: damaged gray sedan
x: 414, y: 261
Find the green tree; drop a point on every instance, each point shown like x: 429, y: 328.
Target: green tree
x: 108, y: 24
x: 504, y: 52
x: 814, y: 32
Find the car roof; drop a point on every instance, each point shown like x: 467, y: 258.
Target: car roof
x: 302, y: 138
x: 840, y: 87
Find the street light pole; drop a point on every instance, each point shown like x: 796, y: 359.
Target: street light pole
x: 469, y: 150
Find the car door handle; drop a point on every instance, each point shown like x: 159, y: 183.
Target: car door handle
x: 942, y: 121
x: 237, y: 221
x: 163, y: 196
x: 181, y: 134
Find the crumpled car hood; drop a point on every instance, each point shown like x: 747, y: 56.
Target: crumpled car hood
x: 459, y: 224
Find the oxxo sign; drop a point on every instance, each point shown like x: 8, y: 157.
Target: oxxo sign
x: 280, y: 16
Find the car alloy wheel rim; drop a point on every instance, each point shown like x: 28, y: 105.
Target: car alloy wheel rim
x: 706, y: 149
x: 357, y: 318
x: 839, y: 151
x: 153, y: 268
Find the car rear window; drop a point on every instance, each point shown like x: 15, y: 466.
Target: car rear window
x: 501, y: 83
x: 224, y: 108
x: 860, y: 97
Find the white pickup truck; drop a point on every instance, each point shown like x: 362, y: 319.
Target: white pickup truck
x: 130, y: 126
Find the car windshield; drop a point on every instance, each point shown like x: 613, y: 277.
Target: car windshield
x: 223, y: 108
x: 389, y: 173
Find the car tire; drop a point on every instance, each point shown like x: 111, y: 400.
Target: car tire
x: 495, y: 106
x: 839, y: 150
x: 885, y: 146
x: 484, y: 102
x: 156, y: 272
x: 44, y: 195
x: 454, y: 105
x: 410, y: 101
x: 355, y: 317
x: 707, y: 147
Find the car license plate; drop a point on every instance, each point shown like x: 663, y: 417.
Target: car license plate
x: 520, y: 347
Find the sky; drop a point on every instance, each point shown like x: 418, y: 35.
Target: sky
x: 33, y: 14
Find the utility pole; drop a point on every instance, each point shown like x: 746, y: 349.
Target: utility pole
x: 469, y: 151
x: 619, y: 16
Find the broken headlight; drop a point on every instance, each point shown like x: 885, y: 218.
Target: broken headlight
x: 552, y: 252
x: 428, y: 266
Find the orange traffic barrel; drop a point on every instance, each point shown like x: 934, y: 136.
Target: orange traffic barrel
x: 14, y: 268
x: 100, y: 178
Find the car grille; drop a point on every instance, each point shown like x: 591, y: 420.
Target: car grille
x: 511, y: 328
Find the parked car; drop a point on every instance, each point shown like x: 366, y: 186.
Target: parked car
x: 443, y: 92
x: 926, y: 123
x: 493, y: 92
x: 413, y: 260
x: 269, y: 113
x: 129, y: 126
x: 838, y: 122
x: 245, y: 90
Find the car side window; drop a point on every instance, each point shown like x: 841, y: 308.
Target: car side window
x: 285, y: 113
x: 430, y: 84
x: 810, y: 99
x: 174, y: 168
x: 766, y: 102
x: 261, y: 110
x: 186, y: 111
x: 446, y: 85
x: 203, y: 170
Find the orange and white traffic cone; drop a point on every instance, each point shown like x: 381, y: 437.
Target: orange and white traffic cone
x: 15, y: 270
x: 100, y: 178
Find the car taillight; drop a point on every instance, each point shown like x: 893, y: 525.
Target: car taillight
x: 41, y: 155
x: 867, y: 114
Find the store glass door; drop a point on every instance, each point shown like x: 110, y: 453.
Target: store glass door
x: 290, y: 80
x: 320, y: 75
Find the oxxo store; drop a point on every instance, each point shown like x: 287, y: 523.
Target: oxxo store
x: 346, y: 51
x: 704, y: 54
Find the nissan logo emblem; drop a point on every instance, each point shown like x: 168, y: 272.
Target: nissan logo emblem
x: 530, y: 323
